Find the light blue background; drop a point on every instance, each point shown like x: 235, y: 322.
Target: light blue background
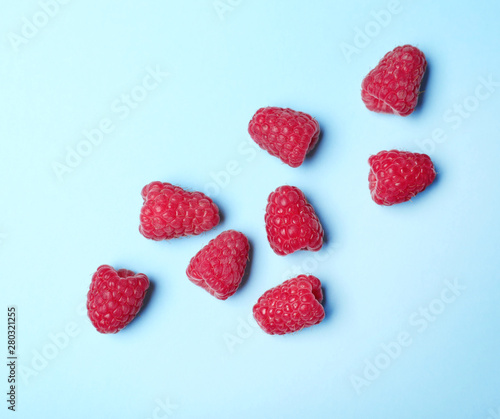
x: 379, y: 266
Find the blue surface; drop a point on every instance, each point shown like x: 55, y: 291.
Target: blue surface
x: 417, y: 281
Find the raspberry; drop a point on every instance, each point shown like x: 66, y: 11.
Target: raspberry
x: 169, y: 212
x: 115, y: 298
x: 219, y: 266
x: 291, y: 306
x: 284, y: 133
x: 291, y: 223
x: 393, y: 85
x: 397, y: 176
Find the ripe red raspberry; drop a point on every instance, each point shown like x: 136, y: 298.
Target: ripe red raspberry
x: 291, y: 223
x: 291, y: 306
x: 397, y: 176
x: 219, y: 266
x: 284, y: 133
x: 393, y: 85
x: 115, y: 298
x: 169, y: 212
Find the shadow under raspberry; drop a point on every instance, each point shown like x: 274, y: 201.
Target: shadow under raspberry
x: 312, y: 153
x: 326, y: 232
x: 145, y: 305
x: 328, y: 305
x: 423, y: 87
